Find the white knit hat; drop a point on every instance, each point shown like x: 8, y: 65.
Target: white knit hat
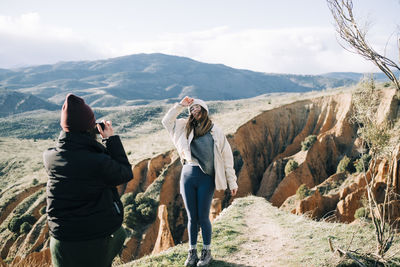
x: 200, y: 102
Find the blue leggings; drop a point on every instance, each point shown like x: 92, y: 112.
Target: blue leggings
x: 197, y: 189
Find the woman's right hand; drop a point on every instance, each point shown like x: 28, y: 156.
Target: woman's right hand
x: 186, y: 101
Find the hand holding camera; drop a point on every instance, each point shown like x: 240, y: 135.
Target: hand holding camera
x: 105, y: 129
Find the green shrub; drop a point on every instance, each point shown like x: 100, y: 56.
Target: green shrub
x: 345, y: 165
x: 25, y: 228
x: 140, y: 212
x: 15, y: 224
x: 308, y: 142
x: 303, y: 191
x: 147, y: 212
x: 328, y: 186
x: 146, y: 207
x: 130, y: 218
x: 35, y: 181
x: 140, y: 198
x: 361, y: 162
x: 153, y: 191
x: 127, y: 199
x: 361, y: 213
x: 386, y: 84
x: 290, y: 166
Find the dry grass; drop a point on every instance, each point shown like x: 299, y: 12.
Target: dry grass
x: 21, y: 161
x: 308, y: 239
x: 227, y: 238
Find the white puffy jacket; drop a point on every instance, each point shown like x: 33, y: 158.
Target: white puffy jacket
x: 223, y: 159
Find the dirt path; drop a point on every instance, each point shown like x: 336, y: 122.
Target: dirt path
x: 267, y: 244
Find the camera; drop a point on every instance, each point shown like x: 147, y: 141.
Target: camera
x: 102, y: 125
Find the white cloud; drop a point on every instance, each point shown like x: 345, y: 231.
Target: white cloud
x: 30, y: 25
x: 24, y: 24
x: 289, y: 50
x: 26, y: 40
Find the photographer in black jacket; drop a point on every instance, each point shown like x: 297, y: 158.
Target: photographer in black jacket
x: 83, y: 206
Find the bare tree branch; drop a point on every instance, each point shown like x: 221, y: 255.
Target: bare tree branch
x: 355, y: 38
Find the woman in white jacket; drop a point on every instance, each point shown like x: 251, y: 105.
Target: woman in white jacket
x: 207, y: 166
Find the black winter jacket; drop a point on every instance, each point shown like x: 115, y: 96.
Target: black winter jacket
x: 82, y: 199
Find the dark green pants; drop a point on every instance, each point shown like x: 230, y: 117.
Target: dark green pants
x: 96, y: 253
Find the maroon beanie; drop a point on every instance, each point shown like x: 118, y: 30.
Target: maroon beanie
x: 76, y: 116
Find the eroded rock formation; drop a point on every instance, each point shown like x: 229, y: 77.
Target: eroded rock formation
x: 343, y: 204
x: 164, y: 237
x: 261, y: 149
x: 146, y: 171
x: 42, y: 258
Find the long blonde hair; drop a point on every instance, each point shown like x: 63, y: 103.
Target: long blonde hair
x: 201, y: 126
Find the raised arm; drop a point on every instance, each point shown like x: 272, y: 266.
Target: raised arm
x: 169, y: 119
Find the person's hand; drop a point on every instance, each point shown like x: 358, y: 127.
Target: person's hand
x: 233, y: 192
x: 108, y: 130
x: 186, y: 101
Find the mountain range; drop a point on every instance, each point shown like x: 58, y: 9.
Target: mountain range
x: 12, y: 102
x: 142, y: 78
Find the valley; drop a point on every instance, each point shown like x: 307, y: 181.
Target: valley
x: 266, y: 133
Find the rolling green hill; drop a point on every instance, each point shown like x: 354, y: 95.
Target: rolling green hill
x: 131, y: 79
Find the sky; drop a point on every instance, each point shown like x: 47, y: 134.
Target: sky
x: 285, y: 36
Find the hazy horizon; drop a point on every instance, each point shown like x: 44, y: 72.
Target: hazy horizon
x: 265, y: 36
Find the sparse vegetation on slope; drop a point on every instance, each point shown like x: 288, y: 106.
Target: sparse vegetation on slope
x: 380, y: 140
x: 139, y: 212
x: 227, y: 237
x: 294, y: 240
x: 139, y: 143
x: 345, y: 165
x: 308, y: 142
x: 21, y: 161
x: 291, y: 165
x: 303, y: 191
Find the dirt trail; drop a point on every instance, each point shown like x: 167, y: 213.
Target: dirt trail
x: 267, y: 243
